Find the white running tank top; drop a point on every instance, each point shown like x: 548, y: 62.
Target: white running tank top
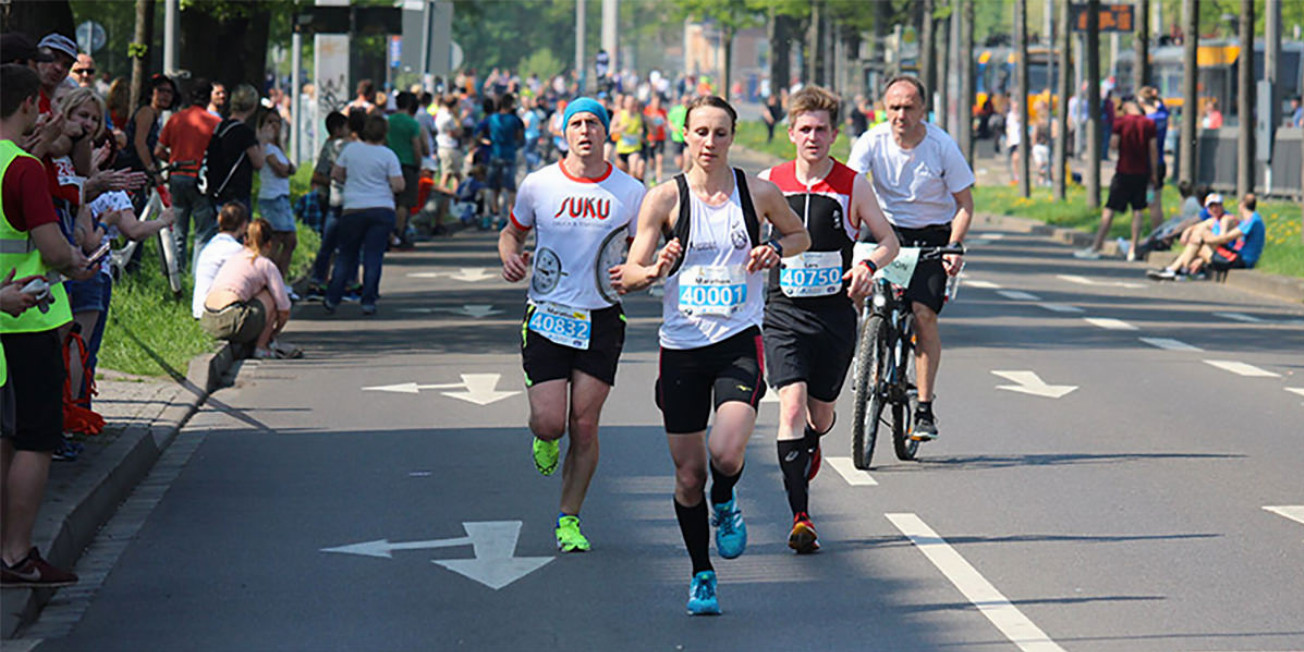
x: 712, y: 297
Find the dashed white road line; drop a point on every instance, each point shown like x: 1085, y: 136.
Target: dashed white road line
x: 1005, y: 616
x: 847, y: 469
x: 1296, y: 390
x: 1018, y: 295
x: 1060, y: 307
x: 982, y: 285
x: 1082, y: 280
x: 1110, y: 324
x: 1242, y: 369
x: 1169, y: 344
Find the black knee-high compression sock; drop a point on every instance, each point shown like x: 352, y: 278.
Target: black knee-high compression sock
x: 793, y: 460
x: 813, y: 435
x: 722, y: 485
x: 694, y: 526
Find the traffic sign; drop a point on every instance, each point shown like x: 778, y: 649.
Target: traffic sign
x: 91, y: 36
x: 1113, y: 18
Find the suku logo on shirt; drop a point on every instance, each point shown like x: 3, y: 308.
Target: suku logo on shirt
x: 584, y: 208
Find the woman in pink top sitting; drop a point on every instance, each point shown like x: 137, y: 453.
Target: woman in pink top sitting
x: 248, y: 301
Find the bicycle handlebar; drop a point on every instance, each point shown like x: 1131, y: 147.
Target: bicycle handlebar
x: 928, y: 253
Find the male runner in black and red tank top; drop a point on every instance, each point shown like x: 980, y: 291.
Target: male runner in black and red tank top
x: 810, y: 320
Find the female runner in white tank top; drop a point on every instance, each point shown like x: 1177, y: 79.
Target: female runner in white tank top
x: 710, y: 336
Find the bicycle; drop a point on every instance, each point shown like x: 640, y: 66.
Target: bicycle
x: 885, y: 357
x: 159, y: 200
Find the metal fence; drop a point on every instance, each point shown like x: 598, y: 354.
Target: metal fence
x: 1217, y: 162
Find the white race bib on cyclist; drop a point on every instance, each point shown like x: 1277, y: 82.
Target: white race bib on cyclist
x: 899, y: 271
x: 572, y: 327
x: 811, y: 274
x: 712, y: 290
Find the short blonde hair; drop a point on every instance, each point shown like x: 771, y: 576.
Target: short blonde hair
x: 811, y: 99
x: 244, y: 99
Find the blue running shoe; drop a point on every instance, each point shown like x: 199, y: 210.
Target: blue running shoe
x: 731, y: 532
x: 701, y: 595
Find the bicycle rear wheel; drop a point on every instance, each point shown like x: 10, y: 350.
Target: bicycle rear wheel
x: 871, y: 364
x: 903, y: 411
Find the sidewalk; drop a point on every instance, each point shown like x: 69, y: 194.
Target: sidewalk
x: 142, y: 417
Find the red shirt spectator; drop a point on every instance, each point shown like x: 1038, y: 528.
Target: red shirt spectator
x: 1135, y: 132
x: 186, y: 137
x: 26, y: 195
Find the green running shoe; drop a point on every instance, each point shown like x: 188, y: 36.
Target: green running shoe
x: 569, y: 538
x: 545, y: 455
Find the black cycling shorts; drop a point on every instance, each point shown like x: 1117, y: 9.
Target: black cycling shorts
x: 37, y: 375
x: 729, y: 370
x: 928, y: 285
x: 811, y: 346
x: 546, y: 360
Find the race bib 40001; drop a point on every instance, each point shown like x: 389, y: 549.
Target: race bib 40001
x: 719, y: 291
x: 811, y: 274
x: 571, y: 327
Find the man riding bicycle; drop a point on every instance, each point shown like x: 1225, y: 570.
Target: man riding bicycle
x: 924, y: 187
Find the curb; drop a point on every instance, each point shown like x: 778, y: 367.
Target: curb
x: 1287, y: 288
x: 66, y: 528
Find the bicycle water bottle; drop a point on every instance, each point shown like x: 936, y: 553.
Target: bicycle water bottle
x: 953, y: 284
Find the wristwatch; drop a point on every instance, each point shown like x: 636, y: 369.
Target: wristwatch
x: 778, y: 248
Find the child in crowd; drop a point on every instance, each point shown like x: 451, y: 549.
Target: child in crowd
x: 469, y: 201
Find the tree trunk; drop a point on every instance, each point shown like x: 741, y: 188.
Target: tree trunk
x: 1141, y: 46
x: 1093, y: 103
x: 1245, y: 103
x: 726, y: 75
x: 815, y: 44
x: 1025, y: 143
x: 1190, y: 101
x: 927, y: 52
x: 780, y: 52
x: 966, y: 80
x: 36, y: 19
x: 138, y: 62
x: 202, y: 34
x: 1061, y: 170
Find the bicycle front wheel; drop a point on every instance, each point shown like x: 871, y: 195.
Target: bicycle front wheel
x: 871, y: 364
x: 903, y: 413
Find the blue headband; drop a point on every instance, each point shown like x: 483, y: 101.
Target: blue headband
x: 587, y: 105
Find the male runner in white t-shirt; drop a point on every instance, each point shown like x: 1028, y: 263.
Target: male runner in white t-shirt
x: 582, y: 211
x: 924, y: 186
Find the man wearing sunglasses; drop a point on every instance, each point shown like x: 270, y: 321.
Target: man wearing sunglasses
x: 83, y: 71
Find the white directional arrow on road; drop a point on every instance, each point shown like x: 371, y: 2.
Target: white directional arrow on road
x: 480, y: 389
x: 1082, y: 280
x: 494, y: 566
x: 1030, y: 383
x: 468, y: 274
x: 494, y: 542
x: 468, y: 310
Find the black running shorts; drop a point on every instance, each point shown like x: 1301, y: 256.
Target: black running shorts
x: 928, y: 285
x: 37, y: 374
x: 1125, y: 189
x: 811, y: 346
x: 546, y: 360
x: 730, y: 370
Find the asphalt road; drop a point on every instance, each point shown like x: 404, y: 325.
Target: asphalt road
x: 1127, y: 514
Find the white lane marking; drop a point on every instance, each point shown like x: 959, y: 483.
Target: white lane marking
x: 847, y: 469
x: 990, y: 236
x: 1169, y: 344
x: 1060, y: 307
x: 1236, y: 316
x: 1030, y: 383
x: 1110, y: 324
x: 1292, y: 512
x: 1005, y: 616
x: 1296, y: 390
x: 982, y: 285
x: 1018, y: 296
x: 1242, y: 369
x: 1082, y: 280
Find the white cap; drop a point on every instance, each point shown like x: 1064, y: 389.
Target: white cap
x: 1213, y: 198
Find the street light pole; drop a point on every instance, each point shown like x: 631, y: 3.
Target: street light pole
x: 579, y: 42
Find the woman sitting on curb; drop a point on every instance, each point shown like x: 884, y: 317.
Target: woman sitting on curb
x: 248, y: 301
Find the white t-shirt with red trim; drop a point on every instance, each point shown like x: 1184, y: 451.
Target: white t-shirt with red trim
x: 572, y: 217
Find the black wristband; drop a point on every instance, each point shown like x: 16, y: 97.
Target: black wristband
x: 778, y: 248
x: 870, y: 264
